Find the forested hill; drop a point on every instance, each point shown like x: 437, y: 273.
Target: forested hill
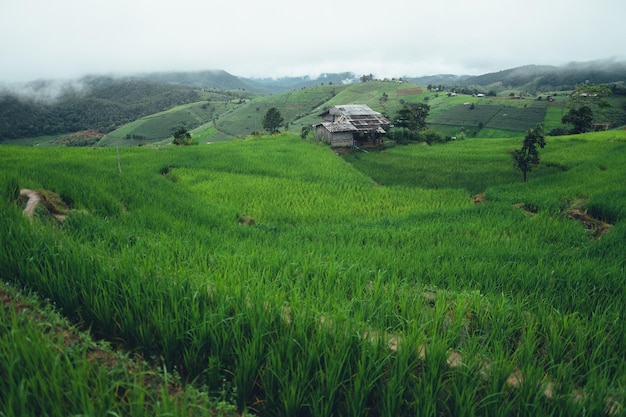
x: 98, y: 103
x: 538, y: 78
x: 215, y: 79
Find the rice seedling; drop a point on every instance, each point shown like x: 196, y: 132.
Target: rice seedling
x: 370, y: 285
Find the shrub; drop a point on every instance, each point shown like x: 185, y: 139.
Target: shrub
x: 558, y: 131
x: 404, y: 136
x: 431, y: 136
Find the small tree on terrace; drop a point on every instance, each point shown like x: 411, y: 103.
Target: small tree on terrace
x: 412, y: 116
x: 528, y: 155
x: 182, y: 136
x: 272, y: 120
x: 585, y: 97
x: 581, y: 118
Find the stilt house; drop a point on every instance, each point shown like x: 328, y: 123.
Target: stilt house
x: 351, y: 125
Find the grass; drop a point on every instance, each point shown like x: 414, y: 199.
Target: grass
x: 294, y: 106
x: 370, y: 284
x: 35, y: 141
x: 161, y: 126
x: 51, y: 368
x: 493, y: 116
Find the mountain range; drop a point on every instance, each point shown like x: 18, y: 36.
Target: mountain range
x: 105, y: 102
x: 531, y: 78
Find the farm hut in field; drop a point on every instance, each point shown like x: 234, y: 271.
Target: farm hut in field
x: 351, y: 125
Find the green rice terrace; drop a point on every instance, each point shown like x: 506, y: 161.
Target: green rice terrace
x: 272, y: 277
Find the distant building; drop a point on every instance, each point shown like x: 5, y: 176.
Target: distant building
x: 351, y: 125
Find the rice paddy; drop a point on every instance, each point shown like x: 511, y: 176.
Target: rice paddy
x: 376, y: 284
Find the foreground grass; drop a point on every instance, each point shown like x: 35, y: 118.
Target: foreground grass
x: 382, y: 290
x: 51, y: 368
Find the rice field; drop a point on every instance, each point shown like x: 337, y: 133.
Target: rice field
x: 494, y: 116
x: 294, y: 282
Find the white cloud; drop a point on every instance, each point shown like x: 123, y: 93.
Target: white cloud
x: 69, y: 38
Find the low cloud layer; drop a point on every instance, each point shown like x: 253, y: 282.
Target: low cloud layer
x: 71, y: 38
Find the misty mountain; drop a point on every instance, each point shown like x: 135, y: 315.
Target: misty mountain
x: 541, y: 78
x: 212, y: 79
x: 283, y: 84
x: 222, y: 80
x: 94, y: 102
x: 438, y: 79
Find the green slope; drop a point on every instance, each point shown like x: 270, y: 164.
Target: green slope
x: 499, y: 116
x: 369, y: 286
x: 230, y: 115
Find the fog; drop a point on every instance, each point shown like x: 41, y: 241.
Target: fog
x: 66, y: 39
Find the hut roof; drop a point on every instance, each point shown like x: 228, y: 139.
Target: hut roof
x: 360, y: 116
x: 339, y: 127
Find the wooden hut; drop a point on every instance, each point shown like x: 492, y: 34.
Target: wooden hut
x: 351, y: 125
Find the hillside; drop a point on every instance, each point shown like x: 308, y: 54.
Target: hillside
x: 464, y: 115
x: 55, y: 111
x: 544, y: 78
x: 215, y: 79
x: 105, y: 103
x: 281, y: 279
x: 96, y: 103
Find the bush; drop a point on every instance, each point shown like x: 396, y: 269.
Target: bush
x: 558, y: 131
x: 404, y: 136
x: 182, y: 137
x: 431, y: 136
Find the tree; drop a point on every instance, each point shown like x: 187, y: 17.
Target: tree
x: 272, y: 120
x: 581, y: 118
x: 182, y: 136
x: 528, y: 155
x: 585, y: 97
x: 412, y: 116
x: 306, y: 131
x: 586, y: 94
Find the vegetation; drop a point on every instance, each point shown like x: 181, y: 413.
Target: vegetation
x: 371, y: 285
x: 581, y: 118
x: 219, y: 115
x: 102, y: 104
x: 580, y: 115
x: 182, y: 136
x: 50, y: 368
x: 528, y: 155
x: 493, y: 116
x: 538, y: 79
x: 272, y: 120
x: 412, y: 116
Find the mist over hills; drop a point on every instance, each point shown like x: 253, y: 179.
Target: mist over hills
x: 542, y: 78
x: 104, y: 102
x: 536, y: 78
x: 532, y: 78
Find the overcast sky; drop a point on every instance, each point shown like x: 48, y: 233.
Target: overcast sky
x: 273, y: 38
